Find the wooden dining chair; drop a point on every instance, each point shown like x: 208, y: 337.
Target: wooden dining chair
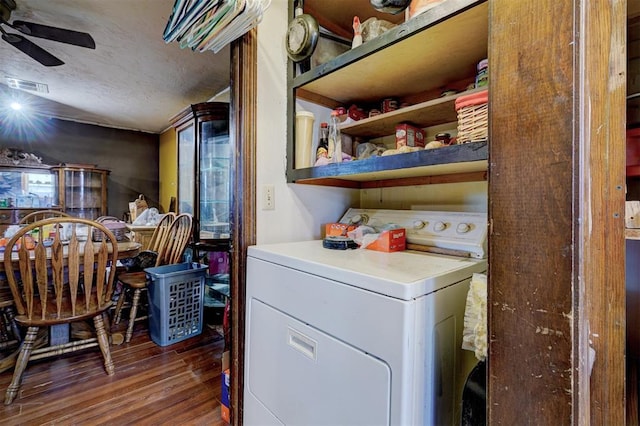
x: 158, y: 238
x: 170, y: 244
x: 40, y: 215
x: 57, y: 282
x: 103, y: 219
x: 160, y: 231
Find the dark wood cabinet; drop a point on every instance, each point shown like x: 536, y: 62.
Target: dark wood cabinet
x: 205, y: 167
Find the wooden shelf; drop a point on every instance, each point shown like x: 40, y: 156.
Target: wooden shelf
x: 425, y: 56
x: 425, y: 114
x: 461, y: 163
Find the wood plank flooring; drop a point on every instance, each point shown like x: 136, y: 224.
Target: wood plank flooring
x: 152, y: 385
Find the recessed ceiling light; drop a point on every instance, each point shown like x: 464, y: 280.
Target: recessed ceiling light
x: 16, y: 106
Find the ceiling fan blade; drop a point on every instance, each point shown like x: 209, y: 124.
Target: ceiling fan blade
x: 56, y: 34
x: 32, y: 49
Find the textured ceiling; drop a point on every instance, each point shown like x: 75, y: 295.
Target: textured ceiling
x: 132, y: 80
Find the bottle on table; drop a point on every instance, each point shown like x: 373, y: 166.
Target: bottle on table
x: 335, y: 139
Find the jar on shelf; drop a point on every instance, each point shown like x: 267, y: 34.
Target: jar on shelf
x: 482, y: 77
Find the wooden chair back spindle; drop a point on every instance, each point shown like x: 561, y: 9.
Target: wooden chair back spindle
x: 40, y: 215
x: 159, y: 234
x: 176, y: 240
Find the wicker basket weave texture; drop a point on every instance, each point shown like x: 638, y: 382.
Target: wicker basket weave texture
x: 473, y: 123
x: 473, y: 117
x: 119, y: 229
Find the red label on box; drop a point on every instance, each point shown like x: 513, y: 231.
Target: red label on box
x: 337, y: 229
x: 408, y: 135
x: 392, y: 240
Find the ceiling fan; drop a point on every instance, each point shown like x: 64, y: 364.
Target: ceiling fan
x: 38, y: 30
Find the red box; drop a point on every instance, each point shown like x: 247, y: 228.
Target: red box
x: 408, y: 135
x: 392, y: 240
x: 633, y: 152
x: 337, y: 229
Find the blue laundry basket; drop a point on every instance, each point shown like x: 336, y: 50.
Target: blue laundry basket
x: 176, y: 300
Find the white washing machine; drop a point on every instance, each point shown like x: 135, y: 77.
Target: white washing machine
x: 360, y: 337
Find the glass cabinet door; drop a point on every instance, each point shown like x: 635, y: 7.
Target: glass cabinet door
x: 186, y: 169
x: 83, y: 192
x: 215, y: 166
x: 28, y: 188
x: 205, y: 164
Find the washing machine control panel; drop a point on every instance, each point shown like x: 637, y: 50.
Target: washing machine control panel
x: 463, y: 232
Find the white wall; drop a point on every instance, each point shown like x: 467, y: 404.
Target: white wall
x: 299, y: 209
x: 463, y: 197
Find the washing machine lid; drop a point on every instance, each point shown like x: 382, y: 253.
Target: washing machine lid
x: 403, y: 275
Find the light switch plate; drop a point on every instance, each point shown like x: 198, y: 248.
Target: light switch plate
x: 268, y: 197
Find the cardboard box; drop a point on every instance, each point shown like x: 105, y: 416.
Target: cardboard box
x: 224, y: 398
x: 337, y: 229
x: 225, y: 406
x: 408, y: 135
x: 632, y: 214
x: 392, y: 240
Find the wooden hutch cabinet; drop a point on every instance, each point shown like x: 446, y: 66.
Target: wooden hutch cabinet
x: 83, y: 191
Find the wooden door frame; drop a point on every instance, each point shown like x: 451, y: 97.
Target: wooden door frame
x: 556, y: 211
x: 244, y: 80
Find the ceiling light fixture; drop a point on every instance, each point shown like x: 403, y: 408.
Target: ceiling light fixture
x: 16, y: 106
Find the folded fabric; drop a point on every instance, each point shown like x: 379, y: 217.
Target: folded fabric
x: 144, y: 259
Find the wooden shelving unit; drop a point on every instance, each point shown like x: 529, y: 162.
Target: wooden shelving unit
x: 456, y: 163
x: 413, y: 61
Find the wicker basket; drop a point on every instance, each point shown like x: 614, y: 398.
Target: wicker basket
x: 118, y: 228
x: 473, y: 117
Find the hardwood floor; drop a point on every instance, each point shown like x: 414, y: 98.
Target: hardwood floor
x: 152, y: 385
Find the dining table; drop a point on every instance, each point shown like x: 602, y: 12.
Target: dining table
x: 126, y: 249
